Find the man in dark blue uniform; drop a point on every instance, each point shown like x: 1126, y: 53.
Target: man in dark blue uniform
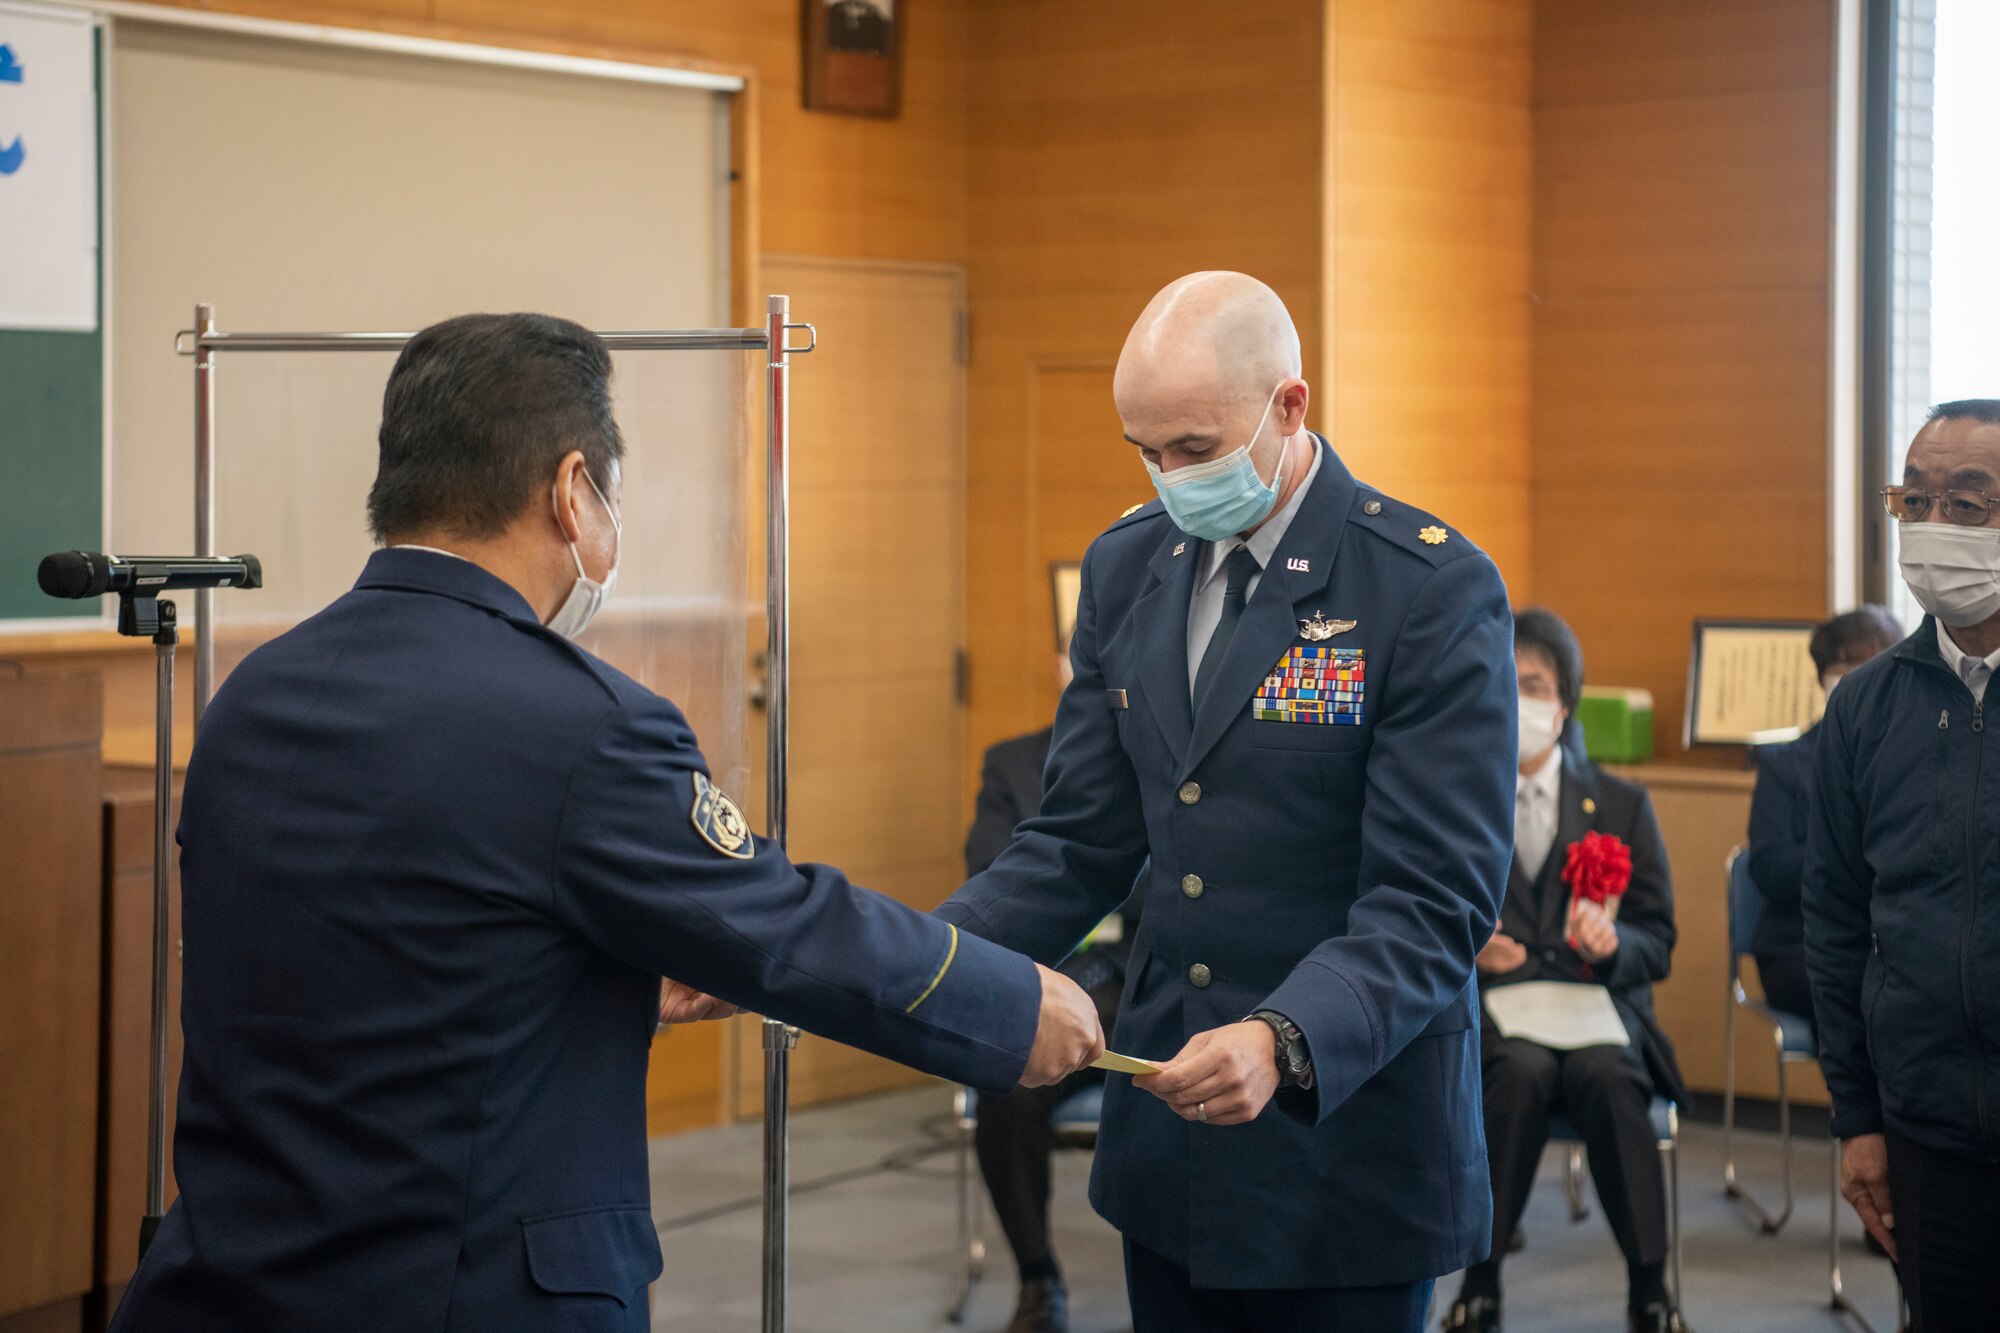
x: 1294, y: 708
x: 437, y: 859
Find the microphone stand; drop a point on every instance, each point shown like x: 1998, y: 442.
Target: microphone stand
x: 145, y: 615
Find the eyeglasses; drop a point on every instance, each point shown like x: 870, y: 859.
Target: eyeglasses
x: 1969, y: 509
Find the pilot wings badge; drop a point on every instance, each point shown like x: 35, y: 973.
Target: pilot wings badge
x: 1319, y: 628
x: 719, y: 822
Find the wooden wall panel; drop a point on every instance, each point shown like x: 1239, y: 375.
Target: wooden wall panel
x: 1113, y: 147
x: 1681, y: 324
x: 1427, y: 272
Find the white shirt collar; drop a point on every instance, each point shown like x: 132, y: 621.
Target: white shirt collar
x: 1958, y: 659
x: 412, y: 546
x: 1263, y: 543
x: 1545, y: 781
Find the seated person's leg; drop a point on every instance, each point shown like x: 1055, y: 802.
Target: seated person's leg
x: 1608, y: 1098
x: 1013, y: 1140
x: 1783, y: 978
x: 1521, y: 1083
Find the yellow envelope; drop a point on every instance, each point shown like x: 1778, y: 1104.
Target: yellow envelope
x: 1123, y: 1064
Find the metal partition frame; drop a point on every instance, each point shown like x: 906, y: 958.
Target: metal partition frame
x: 205, y: 342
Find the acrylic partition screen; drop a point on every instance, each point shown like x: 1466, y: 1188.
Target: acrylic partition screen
x: 296, y: 455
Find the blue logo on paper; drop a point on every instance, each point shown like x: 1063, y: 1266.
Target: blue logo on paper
x: 13, y: 154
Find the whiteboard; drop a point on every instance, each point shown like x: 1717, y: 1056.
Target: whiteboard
x: 298, y: 186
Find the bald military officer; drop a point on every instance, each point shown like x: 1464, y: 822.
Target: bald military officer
x: 436, y: 859
x: 1294, y: 709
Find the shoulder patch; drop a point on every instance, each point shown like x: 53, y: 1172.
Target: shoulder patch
x: 719, y: 822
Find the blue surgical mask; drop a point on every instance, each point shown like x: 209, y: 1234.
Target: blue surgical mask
x: 1224, y: 496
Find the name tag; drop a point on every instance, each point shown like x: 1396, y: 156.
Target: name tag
x: 1115, y: 699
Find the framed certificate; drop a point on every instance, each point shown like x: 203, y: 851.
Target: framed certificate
x: 1750, y: 682
x: 1065, y: 587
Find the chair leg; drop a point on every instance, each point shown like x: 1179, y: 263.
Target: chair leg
x: 1573, y: 1183
x: 1670, y: 1149
x: 1767, y: 1222
x: 1729, y: 1094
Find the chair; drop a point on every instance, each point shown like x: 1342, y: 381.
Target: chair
x: 1075, y: 1119
x: 1667, y: 1128
x: 1792, y: 1043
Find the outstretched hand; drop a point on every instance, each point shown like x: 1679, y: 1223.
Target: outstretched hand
x: 685, y: 1004
x: 1224, y: 1076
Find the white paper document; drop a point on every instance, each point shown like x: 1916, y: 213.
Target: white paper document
x: 1562, y: 1015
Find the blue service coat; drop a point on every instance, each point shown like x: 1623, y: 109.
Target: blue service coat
x: 1344, y: 874
x: 436, y: 860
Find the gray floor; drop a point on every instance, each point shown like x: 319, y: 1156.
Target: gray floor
x: 874, y: 1250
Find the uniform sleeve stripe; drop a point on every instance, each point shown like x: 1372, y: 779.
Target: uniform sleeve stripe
x: 949, y: 954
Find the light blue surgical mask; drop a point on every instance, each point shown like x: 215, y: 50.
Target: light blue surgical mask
x: 1224, y: 496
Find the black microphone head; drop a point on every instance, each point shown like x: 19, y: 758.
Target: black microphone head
x: 254, y: 572
x: 71, y: 574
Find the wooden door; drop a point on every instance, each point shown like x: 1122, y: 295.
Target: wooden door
x: 878, y: 580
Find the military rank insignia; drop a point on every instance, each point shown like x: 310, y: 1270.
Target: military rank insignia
x: 719, y: 822
x: 1314, y: 682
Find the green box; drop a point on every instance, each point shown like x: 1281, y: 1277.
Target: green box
x: 1617, y: 724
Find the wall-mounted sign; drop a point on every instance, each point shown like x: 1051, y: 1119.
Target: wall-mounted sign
x: 48, y: 170
x: 854, y: 55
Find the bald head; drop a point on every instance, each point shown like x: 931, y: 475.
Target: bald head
x: 1219, y: 335
x: 1197, y: 376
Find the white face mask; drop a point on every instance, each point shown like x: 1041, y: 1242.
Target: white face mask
x: 1541, y: 723
x: 1953, y: 571
x: 587, y: 596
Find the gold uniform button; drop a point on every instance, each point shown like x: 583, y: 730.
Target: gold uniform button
x: 1190, y: 792
x: 1191, y: 885
x: 1198, y: 974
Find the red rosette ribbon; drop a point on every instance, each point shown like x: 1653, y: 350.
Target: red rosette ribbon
x: 1598, y: 869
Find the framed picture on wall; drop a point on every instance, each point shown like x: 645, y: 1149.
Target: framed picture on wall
x: 854, y: 55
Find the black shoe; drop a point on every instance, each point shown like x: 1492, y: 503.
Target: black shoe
x: 1481, y: 1314
x: 1656, y: 1317
x: 1043, y: 1307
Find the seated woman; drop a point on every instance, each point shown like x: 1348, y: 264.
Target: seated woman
x: 1606, y: 1092
x: 1778, y: 813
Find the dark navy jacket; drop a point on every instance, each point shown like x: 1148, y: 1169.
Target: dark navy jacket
x: 436, y: 861
x: 1902, y: 903
x: 1536, y: 912
x: 1343, y: 875
x: 1778, y: 844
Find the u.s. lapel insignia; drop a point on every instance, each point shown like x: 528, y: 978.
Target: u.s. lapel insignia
x: 1432, y: 536
x: 719, y: 822
x: 1299, y: 565
x: 1180, y: 547
x: 1319, y: 628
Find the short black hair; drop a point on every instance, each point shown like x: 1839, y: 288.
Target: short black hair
x: 1540, y: 630
x: 478, y: 412
x: 1851, y: 638
x: 1963, y: 409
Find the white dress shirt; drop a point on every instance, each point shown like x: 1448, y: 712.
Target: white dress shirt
x: 1974, y: 671
x: 1205, y: 610
x: 1535, y: 797
x: 434, y: 550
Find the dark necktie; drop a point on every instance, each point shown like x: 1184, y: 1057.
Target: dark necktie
x: 1241, y: 567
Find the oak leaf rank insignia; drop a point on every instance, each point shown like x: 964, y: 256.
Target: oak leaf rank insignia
x: 1431, y: 536
x: 719, y: 822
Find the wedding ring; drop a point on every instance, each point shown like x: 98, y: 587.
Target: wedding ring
x: 1201, y: 1112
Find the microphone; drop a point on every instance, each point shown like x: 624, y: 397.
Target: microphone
x: 76, y: 574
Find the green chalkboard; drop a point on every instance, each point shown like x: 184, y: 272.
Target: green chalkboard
x: 51, y: 462
x: 52, y: 446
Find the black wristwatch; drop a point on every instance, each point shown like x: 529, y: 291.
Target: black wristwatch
x: 1295, y: 1066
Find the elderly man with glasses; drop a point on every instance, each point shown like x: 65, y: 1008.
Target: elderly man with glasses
x: 1902, y: 892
